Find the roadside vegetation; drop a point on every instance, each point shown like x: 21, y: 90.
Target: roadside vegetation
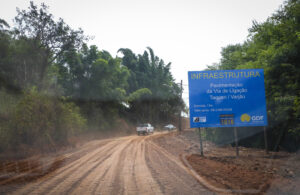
x: 273, y: 45
x: 53, y: 85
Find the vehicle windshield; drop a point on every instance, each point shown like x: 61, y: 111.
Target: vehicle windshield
x: 150, y: 97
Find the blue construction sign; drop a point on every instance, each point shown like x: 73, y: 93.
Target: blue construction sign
x: 227, y: 98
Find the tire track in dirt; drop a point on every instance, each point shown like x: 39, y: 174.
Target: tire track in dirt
x: 164, y: 176
x: 45, y: 170
x: 128, y: 171
x: 100, y: 173
x: 170, y: 173
x: 122, y: 165
x: 127, y: 165
x: 102, y: 178
x: 138, y: 178
x: 61, y: 174
x: 144, y: 172
x: 74, y: 180
x: 111, y: 183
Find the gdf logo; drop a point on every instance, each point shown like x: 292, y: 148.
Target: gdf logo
x: 257, y: 118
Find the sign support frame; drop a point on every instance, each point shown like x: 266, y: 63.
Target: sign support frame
x: 266, y: 140
x: 200, y: 140
x: 236, y: 142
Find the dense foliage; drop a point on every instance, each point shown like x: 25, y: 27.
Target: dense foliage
x: 52, y: 84
x: 273, y: 45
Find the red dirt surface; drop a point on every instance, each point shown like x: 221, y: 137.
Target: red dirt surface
x: 153, y: 165
x: 224, y: 174
x: 253, y: 172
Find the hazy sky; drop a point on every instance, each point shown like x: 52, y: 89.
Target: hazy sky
x: 188, y: 33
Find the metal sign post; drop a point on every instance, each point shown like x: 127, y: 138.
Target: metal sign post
x: 180, y: 129
x: 236, y: 142
x: 200, y: 140
x: 266, y: 140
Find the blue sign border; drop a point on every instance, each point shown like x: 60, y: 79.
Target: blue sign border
x: 227, y: 98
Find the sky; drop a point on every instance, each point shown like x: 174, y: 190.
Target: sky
x: 188, y: 33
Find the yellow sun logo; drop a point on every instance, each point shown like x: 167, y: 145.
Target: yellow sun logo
x: 245, y: 118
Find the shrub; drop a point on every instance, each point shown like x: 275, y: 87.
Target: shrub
x: 7, y: 107
x: 41, y: 121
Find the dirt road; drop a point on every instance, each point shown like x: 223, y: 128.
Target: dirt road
x: 126, y: 165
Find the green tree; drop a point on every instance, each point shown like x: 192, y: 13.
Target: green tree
x: 51, y: 39
x: 149, y: 73
x: 274, y: 45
